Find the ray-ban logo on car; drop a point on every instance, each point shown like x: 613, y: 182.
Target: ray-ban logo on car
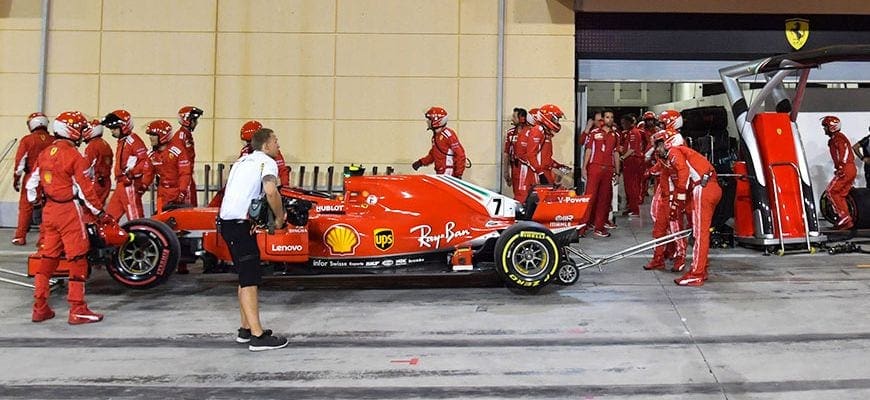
x: 384, y: 239
x: 427, y: 239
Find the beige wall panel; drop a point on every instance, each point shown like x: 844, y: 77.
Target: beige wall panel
x: 202, y: 139
x: 479, y: 140
x: 159, y: 15
x: 18, y: 97
x: 157, y: 53
x: 274, y: 97
x: 542, y: 56
x: 275, y: 54
x: 19, y: 51
x: 393, y: 98
x: 478, y: 55
x: 302, y: 141
x: 398, y: 16
x: 396, y: 143
x: 478, y: 16
x: 397, y: 55
x: 71, y: 92
x: 74, y: 52
x: 483, y: 175
x: 155, y: 95
x: 529, y: 92
x: 276, y: 16
x: 539, y: 17
x: 20, y: 14
x: 75, y: 14
x: 477, y: 98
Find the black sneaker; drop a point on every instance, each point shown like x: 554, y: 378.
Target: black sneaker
x: 267, y: 342
x: 245, y: 335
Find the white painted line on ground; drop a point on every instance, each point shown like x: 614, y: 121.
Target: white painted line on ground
x: 16, y: 252
x: 649, y: 255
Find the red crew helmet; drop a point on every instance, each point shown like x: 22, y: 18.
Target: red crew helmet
x: 248, y: 129
x: 831, y: 123
x: 37, y: 120
x: 120, y: 119
x: 188, y: 115
x: 160, y: 128
x: 437, y: 117
x: 671, y: 119
x: 71, y: 125
x: 549, y: 116
x: 95, y: 131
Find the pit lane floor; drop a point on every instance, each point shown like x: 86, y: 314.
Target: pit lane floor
x: 792, y: 327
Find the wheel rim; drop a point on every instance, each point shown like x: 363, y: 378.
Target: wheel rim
x: 530, y: 258
x: 138, y: 258
x: 567, y: 273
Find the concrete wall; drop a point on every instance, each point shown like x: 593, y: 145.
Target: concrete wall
x: 340, y: 81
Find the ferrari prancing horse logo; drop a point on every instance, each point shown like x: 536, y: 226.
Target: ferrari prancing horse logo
x: 797, y: 31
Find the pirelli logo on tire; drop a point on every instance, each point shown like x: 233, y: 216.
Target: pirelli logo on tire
x: 532, y: 235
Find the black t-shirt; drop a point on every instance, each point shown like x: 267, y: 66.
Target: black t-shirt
x: 865, y: 145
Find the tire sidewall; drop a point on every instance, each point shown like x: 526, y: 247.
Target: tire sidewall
x: 516, y: 236
x: 168, y: 246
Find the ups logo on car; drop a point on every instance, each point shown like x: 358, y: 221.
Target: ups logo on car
x: 384, y: 239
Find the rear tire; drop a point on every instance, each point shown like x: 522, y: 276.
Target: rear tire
x: 149, y: 259
x: 527, y: 256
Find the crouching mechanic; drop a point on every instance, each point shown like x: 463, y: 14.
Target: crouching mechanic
x: 60, y: 173
x: 692, y: 173
x: 250, y: 177
x: 446, y: 153
x: 660, y: 211
x: 133, y: 172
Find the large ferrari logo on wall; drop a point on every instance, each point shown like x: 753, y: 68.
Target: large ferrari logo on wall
x: 797, y: 31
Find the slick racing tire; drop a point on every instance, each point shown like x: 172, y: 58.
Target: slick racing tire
x: 149, y: 259
x: 527, y: 256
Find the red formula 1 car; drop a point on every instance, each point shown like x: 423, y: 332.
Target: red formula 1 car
x: 381, y: 224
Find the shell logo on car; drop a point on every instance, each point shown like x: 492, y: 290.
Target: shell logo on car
x: 384, y: 239
x: 342, y: 239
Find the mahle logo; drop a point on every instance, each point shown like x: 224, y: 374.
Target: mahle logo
x: 384, y: 239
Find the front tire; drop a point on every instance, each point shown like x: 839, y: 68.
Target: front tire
x: 149, y: 259
x: 527, y: 256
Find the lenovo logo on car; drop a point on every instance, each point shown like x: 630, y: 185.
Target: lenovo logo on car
x: 287, y: 248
